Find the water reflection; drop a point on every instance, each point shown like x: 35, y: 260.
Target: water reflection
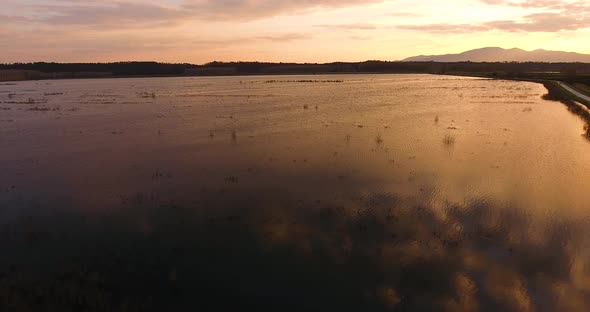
x: 255, y: 249
x: 221, y: 193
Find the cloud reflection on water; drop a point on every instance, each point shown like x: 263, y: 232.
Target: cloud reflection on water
x: 246, y: 248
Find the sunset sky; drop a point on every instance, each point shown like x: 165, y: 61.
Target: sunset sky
x: 199, y: 31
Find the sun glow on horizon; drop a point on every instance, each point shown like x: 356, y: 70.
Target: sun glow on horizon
x: 200, y: 31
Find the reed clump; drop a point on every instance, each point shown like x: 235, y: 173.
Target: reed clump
x: 304, y: 81
x: 379, y: 139
x: 147, y: 95
x: 449, y: 140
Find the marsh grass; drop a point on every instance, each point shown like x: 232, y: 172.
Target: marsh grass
x: 379, y: 139
x: 304, y: 81
x: 449, y: 140
x: 40, y: 109
x: 582, y: 87
x: 231, y: 180
x: 147, y: 95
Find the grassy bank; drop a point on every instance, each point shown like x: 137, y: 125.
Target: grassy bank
x: 557, y: 93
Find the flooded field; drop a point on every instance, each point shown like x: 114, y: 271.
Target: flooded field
x: 348, y: 192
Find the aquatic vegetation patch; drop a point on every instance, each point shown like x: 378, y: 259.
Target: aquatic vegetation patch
x: 304, y: 81
x: 449, y: 140
x: 147, y: 95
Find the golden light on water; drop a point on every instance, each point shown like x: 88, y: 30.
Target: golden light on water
x: 442, y: 183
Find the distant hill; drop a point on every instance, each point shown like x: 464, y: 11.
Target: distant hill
x: 505, y: 55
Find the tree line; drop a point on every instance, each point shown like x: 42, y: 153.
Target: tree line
x: 41, y: 70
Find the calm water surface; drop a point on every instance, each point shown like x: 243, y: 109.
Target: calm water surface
x: 378, y: 192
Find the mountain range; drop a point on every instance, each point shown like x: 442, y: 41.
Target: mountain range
x: 494, y: 54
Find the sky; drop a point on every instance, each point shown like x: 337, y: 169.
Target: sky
x: 201, y: 31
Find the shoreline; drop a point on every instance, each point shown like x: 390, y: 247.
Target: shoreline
x: 556, y: 92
